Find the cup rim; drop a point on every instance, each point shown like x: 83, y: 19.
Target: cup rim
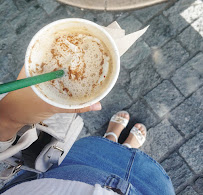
x: 95, y: 100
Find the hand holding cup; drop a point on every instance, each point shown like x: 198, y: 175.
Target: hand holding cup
x: 23, y: 107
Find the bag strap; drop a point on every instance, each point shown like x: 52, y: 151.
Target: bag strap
x: 5, y: 145
x: 15, y: 165
x: 56, y: 151
x: 53, y: 153
x: 25, y: 141
x: 57, y: 125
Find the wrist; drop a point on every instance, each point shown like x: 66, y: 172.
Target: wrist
x: 8, y: 129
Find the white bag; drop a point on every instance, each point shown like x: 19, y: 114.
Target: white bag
x: 42, y: 145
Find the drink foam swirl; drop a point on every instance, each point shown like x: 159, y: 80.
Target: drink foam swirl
x: 87, y: 65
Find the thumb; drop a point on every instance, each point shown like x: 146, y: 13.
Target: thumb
x: 94, y: 107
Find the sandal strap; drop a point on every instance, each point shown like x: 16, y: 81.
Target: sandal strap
x: 113, y: 134
x: 138, y: 134
x: 127, y: 145
x: 118, y: 119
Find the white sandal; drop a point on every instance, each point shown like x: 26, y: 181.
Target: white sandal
x: 139, y: 136
x: 117, y: 119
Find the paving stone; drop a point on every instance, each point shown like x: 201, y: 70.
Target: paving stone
x: 193, y: 12
x: 197, y: 25
x: 124, y: 77
x: 188, y: 79
x: 188, y: 115
x: 199, y: 185
x: 184, y: 12
x: 163, y: 98
x: 90, y: 16
x: 136, y: 54
x: 149, y: 12
x: 7, y: 37
x: 19, y: 49
x: 29, y: 1
x: 19, y: 21
x: 159, y: 32
x: 3, y: 46
x: 8, y: 64
x: 115, y: 101
x: 193, y: 149
x: 7, y: 32
x: 7, y: 11
x: 49, y: 5
x: 191, y: 37
x: 104, y: 18
x: 120, y: 15
x: 140, y: 113
x: 59, y: 13
x: 143, y: 78
x: 188, y: 191
x: 169, y: 58
x: 197, y: 65
x: 177, y: 170
x: 161, y: 139
x: 7, y: 78
x: 129, y: 23
x: 2, y: 73
x: 83, y: 133
x: 100, y: 17
x: 30, y: 19
x: 20, y: 4
x: 74, y: 12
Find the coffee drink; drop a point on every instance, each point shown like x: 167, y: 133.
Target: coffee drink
x: 86, y: 60
x: 87, y: 54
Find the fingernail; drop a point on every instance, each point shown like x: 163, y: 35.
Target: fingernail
x: 95, y: 107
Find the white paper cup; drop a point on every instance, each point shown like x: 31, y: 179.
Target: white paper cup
x: 75, y: 23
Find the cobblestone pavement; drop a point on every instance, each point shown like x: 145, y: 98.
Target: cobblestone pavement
x: 160, y: 83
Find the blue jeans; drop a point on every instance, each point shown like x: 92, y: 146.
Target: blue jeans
x: 96, y: 160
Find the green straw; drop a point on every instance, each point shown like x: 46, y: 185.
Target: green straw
x: 18, y: 84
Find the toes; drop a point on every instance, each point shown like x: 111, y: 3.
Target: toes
x: 141, y: 128
x: 143, y: 132
x: 127, y: 115
x: 117, y: 124
x: 124, y: 115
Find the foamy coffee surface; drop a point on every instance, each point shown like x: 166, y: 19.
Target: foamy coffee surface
x: 85, y: 60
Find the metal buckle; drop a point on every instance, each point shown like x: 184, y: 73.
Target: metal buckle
x: 33, y: 125
x: 43, y: 124
x: 118, y: 191
x: 17, y: 167
x: 109, y: 187
x: 61, y: 150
